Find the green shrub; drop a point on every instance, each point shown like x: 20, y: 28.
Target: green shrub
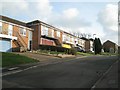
x: 57, y: 49
x: 73, y: 51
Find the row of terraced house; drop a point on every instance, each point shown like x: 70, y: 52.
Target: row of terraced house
x: 19, y: 36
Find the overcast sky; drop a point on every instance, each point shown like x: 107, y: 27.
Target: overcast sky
x: 84, y: 16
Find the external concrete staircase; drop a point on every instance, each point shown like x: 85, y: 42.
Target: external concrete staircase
x: 20, y: 42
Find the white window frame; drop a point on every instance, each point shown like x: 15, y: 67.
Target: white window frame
x: 0, y: 27
x: 10, y: 29
x: 52, y: 33
x: 58, y: 33
x: 23, y: 30
x: 72, y: 39
x: 64, y: 37
x: 69, y: 38
x: 44, y: 30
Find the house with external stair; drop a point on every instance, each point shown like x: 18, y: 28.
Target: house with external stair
x: 20, y: 36
x: 14, y: 35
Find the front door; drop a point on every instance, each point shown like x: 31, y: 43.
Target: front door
x: 30, y: 40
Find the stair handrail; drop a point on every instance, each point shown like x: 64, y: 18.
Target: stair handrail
x: 21, y: 38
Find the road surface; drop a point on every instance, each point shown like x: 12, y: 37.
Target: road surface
x: 76, y: 73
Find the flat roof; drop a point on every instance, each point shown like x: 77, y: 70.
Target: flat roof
x: 38, y: 21
x: 4, y: 18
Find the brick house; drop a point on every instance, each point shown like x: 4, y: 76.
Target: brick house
x: 68, y: 40
x: 110, y: 46
x: 14, y: 35
x: 45, y: 34
x: 88, y: 44
x: 19, y: 36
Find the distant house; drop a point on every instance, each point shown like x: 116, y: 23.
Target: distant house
x: 88, y: 44
x: 14, y: 35
x: 110, y: 46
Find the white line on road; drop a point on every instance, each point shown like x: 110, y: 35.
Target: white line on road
x: 103, y: 76
x: 11, y: 72
x: 13, y: 68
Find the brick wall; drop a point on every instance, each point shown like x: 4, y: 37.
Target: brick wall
x: 21, y: 38
x: 59, y: 38
x: 36, y: 36
x: 16, y: 33
x: 108, y: 45
x: 87, y: 45
x: 5, y: 28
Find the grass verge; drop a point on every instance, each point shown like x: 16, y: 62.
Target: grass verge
x: 10, y: 59
x: 85, y: 54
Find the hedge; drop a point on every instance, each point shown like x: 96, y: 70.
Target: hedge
x: 57, y: 49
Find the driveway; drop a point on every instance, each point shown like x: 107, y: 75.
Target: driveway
x: 37, y: 56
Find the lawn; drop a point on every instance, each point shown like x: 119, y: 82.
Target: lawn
x: 11, y: 59
x: 85, y: 54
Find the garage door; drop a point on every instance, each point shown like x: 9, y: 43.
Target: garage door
x: 5, y: 45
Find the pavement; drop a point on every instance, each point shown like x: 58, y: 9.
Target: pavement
x: 44, y: 56
x: 77, y: 72
x: 109, y: 78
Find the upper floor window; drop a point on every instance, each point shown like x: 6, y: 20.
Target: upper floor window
x: 10, y: 29
x: 64, y: 37
x: 23, y: 31
x: 68, y: 38
x: 72, y: 39
x: 44, y: 30
x: 52, y: 33
x: 58, y: 34
x: 0, y: 27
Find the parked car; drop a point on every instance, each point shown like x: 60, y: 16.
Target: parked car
x: 79, y: 49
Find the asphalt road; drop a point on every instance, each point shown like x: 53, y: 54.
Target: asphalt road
x: 77, y: 73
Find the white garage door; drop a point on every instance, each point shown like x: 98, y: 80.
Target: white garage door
x: 5, y: 45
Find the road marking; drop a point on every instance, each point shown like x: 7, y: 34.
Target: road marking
x: 11, y: 73
x: 13, y: 68
x: 103, y: 76
x: 81, y: 57
x: 17, y: 71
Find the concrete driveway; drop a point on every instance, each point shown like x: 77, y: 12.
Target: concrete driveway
x: 37, y: 56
